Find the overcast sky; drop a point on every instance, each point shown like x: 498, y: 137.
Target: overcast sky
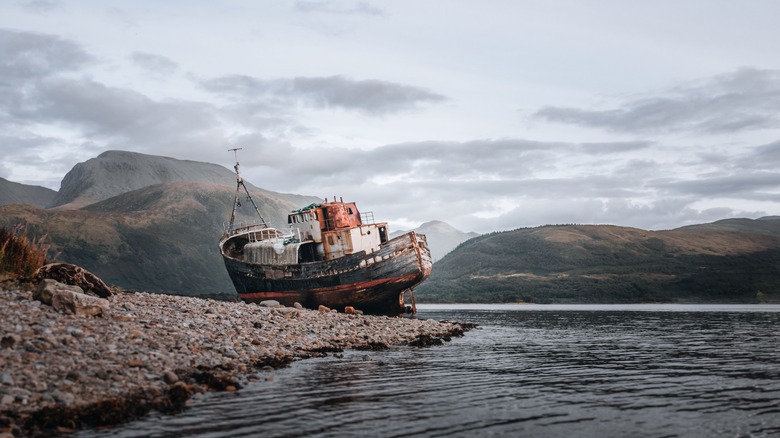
x: 489, y: 115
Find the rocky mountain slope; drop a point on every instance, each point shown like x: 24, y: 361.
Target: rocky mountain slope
x: 442, y: 237
x: 113, y: 173
x: 729, y: 261
x: 15, y: 193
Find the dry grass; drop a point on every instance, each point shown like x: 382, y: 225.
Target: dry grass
x: 19, y: 254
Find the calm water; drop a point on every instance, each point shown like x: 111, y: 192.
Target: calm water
x: 655, y: 371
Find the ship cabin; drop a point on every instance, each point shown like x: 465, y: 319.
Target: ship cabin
x: 332, y: 230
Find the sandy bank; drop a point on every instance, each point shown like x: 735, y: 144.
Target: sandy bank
x: 153, y: 351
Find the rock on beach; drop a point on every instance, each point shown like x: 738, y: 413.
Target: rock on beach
x: 147, y: 351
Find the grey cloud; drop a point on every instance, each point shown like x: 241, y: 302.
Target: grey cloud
x: 55, y: 155
x: 583, y: 187
x: 156, y: 64
x: 28, y: 60
x: 638, y: 169
x: 29, y: 146
x: 757, y: 186
x: 36, y: 91
x: 421, y: 161
x: 368, y: 96
x: 330, y: 7
x: 118, y: 118
x: 460, y: 160
x: 614, y: 147
x: 747, y: 99
x: 112, y: 111
x: 40, y: 6
x: 547, y: 182
x: 538, y: 202
x: 477, y: 160
x: 764, y: 157
x: 28, y: 55
x: 480, y: 169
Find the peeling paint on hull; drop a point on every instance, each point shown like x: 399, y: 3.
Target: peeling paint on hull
x: 370, y: 282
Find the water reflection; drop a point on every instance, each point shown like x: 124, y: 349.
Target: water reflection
x: 534, y: 372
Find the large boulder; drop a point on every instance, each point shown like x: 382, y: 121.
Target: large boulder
x: 76, y: 276
x: 48, y: 287
x: 69, y: 299
x: 75, y: 303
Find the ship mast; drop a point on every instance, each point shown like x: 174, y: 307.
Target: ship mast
x: 236, y: 202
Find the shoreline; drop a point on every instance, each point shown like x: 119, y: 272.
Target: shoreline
x: 63, y: 372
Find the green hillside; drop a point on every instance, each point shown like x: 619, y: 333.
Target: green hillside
x: 732, y: 261
x: 161, y: 238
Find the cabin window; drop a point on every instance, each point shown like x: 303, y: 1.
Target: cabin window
x: 349, y: 210
x: 330, y: 240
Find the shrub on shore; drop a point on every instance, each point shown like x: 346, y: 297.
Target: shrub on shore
x: 19, y: 254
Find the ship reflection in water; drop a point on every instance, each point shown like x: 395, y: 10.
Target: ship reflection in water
x: 566, y: 371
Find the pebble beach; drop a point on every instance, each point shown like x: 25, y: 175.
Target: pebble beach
x: 60, y: 372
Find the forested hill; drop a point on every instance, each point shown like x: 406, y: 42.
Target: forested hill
x: 729, y: 261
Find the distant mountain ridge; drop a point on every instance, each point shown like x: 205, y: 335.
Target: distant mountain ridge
x: 729, y: 261
x: 441, y: 236
x: 16, y: 193
x: 764, y: 225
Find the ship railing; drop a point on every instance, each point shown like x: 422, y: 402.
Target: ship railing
x: 242, y: 228
x: 256, y: 233
x: 267, y: 234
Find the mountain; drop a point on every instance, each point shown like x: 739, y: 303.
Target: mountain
x: 441, y: 236
x: 147, y: 235
x: 15, y: 193
x: 729, y: 261
x: 115, y: 172
x: 161, y: 238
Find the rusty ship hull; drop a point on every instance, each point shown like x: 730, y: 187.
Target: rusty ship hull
x: 373, y: 283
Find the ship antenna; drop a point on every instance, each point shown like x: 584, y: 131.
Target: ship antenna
x: 239, y: 184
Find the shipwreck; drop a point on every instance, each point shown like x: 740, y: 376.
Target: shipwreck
x: 330, y: 255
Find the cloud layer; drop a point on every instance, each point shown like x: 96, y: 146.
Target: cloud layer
x: 312, y: 134
x: 747, y: 99
x: 371, y: 97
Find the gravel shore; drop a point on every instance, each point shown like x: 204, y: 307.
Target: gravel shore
x: 61, y: 372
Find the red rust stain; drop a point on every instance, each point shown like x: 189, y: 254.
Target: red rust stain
x: 329, y: 290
